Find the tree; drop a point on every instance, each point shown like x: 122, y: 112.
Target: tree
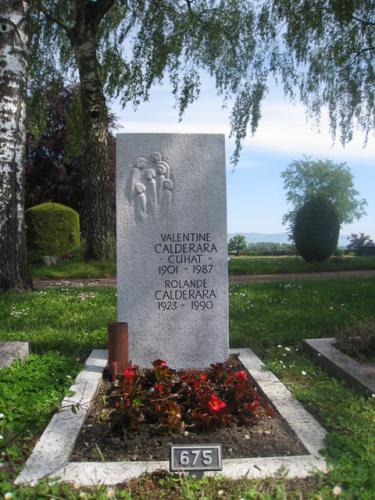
x: 306, y: 178
x: 316, y: 229
x: 175, y: 37
x: 54, y: 165
x: 325, y: 50
x: 358, y: 241
x: 121, y: 48
x: 13, y: 81
x: 237, y: 243
x: 75, y: 28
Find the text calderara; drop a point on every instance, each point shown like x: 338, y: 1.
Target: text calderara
x: 185, y: 247
x: 185, y: 290
x: 185, y: 294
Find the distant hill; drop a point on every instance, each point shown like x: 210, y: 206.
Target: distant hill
x: 278, y: 238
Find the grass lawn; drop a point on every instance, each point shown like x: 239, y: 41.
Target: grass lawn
x: 64, y: 325
x: 78, y: 268
x: 74, y: 269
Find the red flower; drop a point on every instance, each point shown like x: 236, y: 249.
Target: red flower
x: 203, y: 377
x: 196, y: 385
x: 241, y: 375
x: 129, y: 374
x: 216, y: 404
x: 160, y: 363
x: 159, y: 388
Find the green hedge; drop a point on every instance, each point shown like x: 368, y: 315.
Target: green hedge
x: 52, y: 229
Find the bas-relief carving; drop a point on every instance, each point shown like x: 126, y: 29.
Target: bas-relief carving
x: 150, y: 188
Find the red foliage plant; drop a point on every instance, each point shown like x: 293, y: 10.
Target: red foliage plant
x: 174, y: 401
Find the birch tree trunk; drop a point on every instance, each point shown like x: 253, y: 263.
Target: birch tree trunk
x: 13, y: 81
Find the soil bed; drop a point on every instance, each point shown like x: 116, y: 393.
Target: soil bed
x: 98, y: 441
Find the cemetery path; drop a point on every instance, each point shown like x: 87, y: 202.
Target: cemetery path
x: 240, y: 279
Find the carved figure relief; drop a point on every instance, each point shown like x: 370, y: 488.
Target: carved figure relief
x: 150, y: 187
x: 140, y: 200
x: 166, y: 197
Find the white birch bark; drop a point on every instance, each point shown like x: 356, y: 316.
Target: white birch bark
x: 13, y: 81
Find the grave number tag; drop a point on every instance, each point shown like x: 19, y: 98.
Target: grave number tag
x: 195, y: 458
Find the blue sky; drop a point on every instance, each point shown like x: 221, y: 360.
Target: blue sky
x: 255, y: 194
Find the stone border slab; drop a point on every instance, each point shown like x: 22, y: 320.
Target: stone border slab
x: 12, y: 350
x: 51, y: 454
x: 53, y: 450
x: 359, y: 375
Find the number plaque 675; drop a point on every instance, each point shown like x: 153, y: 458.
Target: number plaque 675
x: 197, y: 457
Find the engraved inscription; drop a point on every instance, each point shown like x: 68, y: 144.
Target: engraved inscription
x: 181, y: 255
x: 150, y: 188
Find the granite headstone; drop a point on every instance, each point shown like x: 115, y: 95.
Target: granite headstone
x: 172, y: 268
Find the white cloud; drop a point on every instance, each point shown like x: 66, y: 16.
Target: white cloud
x: 284, y: 129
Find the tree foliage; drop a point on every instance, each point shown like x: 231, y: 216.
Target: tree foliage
x: 141, y: 42
x: 357, y: 241
x: 54, y: 164
x: 327, y: 52
x: 121, y: 49
x: 307, y: 178
x: 321, y: 51
x: 237, y: 243
x: 316, y: 229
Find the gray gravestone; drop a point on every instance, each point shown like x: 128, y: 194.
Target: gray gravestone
x: 172, y: 266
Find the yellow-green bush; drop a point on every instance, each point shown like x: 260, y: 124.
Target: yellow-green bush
x: 52, y: 229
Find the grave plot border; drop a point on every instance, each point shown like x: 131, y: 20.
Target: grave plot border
x: 50, y: 457
x: 360, y: 376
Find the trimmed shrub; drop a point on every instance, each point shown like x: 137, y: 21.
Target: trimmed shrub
x: 316, y: 229
x: 51, y: 229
